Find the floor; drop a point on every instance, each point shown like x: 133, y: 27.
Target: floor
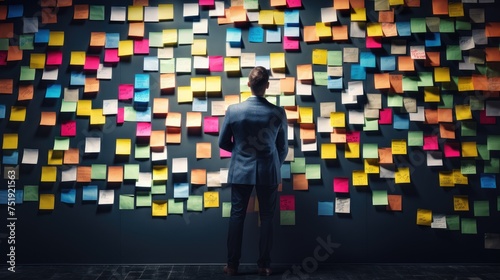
x: 214, y: 272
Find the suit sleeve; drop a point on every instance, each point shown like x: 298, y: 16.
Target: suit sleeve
x: 226, y: 134
x: 282, y: 139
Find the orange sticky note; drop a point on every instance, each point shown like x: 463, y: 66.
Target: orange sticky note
x: 115, y: 174
x: 6, y: 86
x: 81, y: 11
x: 97, y: 39
x: 395, y: 202
x: 405, y: 63
x: 385, y: 155
x: 14, y: 54
x: 71, y: 156
x: 382, y: 81
x: 48, y: 118
x: 91, y: 85
x: 83, y: 174
x: 341, y: 4
x: 25, y: 92
x: 6, y: 30
x: 203, y: 150
x: 339, y: 33
x: 304, y: 72
x: 310, y: 35
x: 198, y: 176
x: 193, y: 119
x: 160, y: 106
x: 136, y: 29
x: 157, y: 140
x: 300, y: 182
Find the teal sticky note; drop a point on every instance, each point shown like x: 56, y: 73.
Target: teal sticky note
x: 131, y: 171
x: 143, y: 199
x: 68, y: 196
x: 453, y: 222
x: 493, y: 142
x: 417, y: 25
x: 370, y: 150
x: 394, y: 100
x: 158, y: 188
x: 226, y: 209
x: 313, y: 171
x: 175, y: 207
x: 30, y: 193
x: 481, y: 208
x: 409, y: 84
x: 334, y: 58
x: 89, y: 193
x: 415, y: 138
x: 26, y: 42
x: 298, y: 165
x: 358, y: 72
x: 96, y: 12
x: 126, y: 202
x: 492, y: 165
x: 446, y: 25
x: 370, y: 125
x: 325, y: 208
x: 425, y: 79
x: 483, y: 152
x: 287, y: 218
x: 468, y: 128
x: 379, y: 197
x: 468, y: 167
x: 469, y: 226
x: 98, y: 172
x: 142, y: 151
x: 195, y: 203
x: 403, y: 28
x: 320, y: 78
x: 27, y: 74
x: 446, y: 101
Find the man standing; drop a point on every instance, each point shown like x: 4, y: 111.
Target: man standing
x: 255, y: 131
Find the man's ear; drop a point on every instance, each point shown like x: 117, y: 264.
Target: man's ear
x: 248, y: 84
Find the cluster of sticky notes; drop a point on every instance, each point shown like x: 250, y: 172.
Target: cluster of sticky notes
x: 287, y: 210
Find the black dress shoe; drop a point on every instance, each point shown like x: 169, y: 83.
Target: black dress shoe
x: 230, y: 271
x: 264, y: 271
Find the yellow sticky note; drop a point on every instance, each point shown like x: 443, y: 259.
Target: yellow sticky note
x: 465, y: 84
x: 77, y: 58
x: 49, y: 174
x: 374, y: 29
x: 359, y: 178
x: 279, y: 17
x: 328, y: 151
x: 460, y: 203
x: 17, y: 114
x: 184, y: 94
x: 231, y: 64
x: 320, y: 56
x: 441, y: 74
x: 398, y: 147
x: 431, y: 94
x: 402, y: 175
x: 169, y: 36
x: 266, y: 17
x: 396, y: 2
x: 214, y: 84
x: 37, y: 61
x: 10, y: 141
x: 56, y: 39
x: 198, y: 84
x: 84, y: 107
x: 459, y: 178
x: 165, y: 11
x: 323, y: 30
x: 463, y: 112
x: 456, y: 9
x: 371, y: 166
x: 306, y: 114
x: 446, y: 179
x: 199, y: 47
x: 469, y: 149
x: 96, y: 117
x: 46, y: 201
x: 424, y: 217
x: 135, y: 13
x: 352, y: 150
x: 159, y: 208
x: 277, y: 60
x: 337, y: 119
x: 125, y: 48
x: 123, y: 146
x: 160, y: 173
x: 55, y: 157
x: 211, y: 199
x: 358, y: 14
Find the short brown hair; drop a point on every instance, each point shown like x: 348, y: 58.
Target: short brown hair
x: 258, y: 79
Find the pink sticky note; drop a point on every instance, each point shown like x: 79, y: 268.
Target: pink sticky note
x: 91, y: 62
x: 431, y: 143
x: 54, y: 58
x: 216, y: 63
x: 352, y: 137
x: 120, y: 116
x: 143, y: 129
x: 141, y: 46
x: 294, y: 3
x: 111, y: 56
x: 125, y: 91
x: 287, y: 202
x: 207, y: 3
x: 341, y: 185
x: 224, y: 153
x: 290, y: 44
x: 373, y: 42
x: 211, y: 124
x: 483, y: 119
x: 385, y: 116
x: 3, y: 58
x: 68, y: 128
x: 451, y: 149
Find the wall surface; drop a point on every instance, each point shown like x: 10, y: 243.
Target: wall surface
x: 84, y: 231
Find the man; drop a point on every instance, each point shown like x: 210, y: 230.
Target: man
x: 255, y: 131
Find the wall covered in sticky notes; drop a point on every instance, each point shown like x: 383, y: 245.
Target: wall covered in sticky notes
x: 110, y: 115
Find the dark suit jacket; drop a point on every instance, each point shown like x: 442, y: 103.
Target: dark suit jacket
x: 255, y: 131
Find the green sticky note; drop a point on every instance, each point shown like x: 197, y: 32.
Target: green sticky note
x: 463, y: 25
x: 156, y: 39
x: 492, y: 165
x: 468, y: 166
x: 167, y: 65
x: 453, y: 222
x: 334, y: 58
x: 98, y: 172
x: 195, y: 203
x: 446, y: 101
x: 498, y: 202
x: 129, y: 114
x: 452, y: 85
x: 26, y: 42
x: 272, y: 99
x: 409, y: 84
x: 126, y: 201
x: 370, y: 150
x: 287, y: 218
x: 415, y: 138
x: 417, y: 25
x: 394, y: 100
x: 61, y: 143
x: 27, y: 74
x: 469, y: 226
x: 483, y: 152
x: 226, y: 209
x: 447, y: 26
x: 185, y: 36
x: 96, y: 12
x: 244, y: 85
x: 492, y: 70
x: 321, y: 78
x: 482, y: 69
x: 131, y: 171
x: 313, y: 171
x: 453, y: 52
x: 481, y: 208
x: 425, y: 79
x: 379, y: 197
x: 175, y: 207
x: 143, y: 199
x: 4, y: 44
x: 468, y: 128
x: 370, y: 125
x: 251, y: 4
x: 476, y: 103
x: 30, y: 193
x: 287, y: 100
x: 68, y: 106
x: 158, y: 188
x: 493, y: 142
x: 142, y: 151
x: 298, y: 165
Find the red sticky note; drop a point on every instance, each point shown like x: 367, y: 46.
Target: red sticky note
x: 207, y: 3
x: 341, y: 185
x: 290, y: 44
x: 68, y: 128
x: 373, y: 42
x: 143, y: 129
x: 111, y: 56
x: 141, y: 46
x: 385, y: 116
x: 216, y: 63
x: 287, y: 203
x: 3, y: 58
x: 54, y: 58
x: 211, y: 124
x: 294, y: 3
x: 352, y: 137
x: 125, y: 91
x: 483, y: 119
x: 451, y: 149
x: 91, y: 62
x: 224, y: 153
x: 120, y: 116
x: 431, y: 143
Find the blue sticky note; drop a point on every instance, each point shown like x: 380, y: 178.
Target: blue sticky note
x: 367, y: 59
x: 433, y: 39
x: 10, y: 157
x: 143, y: 115
x: 77, y: 79
x: 263, y: 60
x: 141, y: 96
x: 141, y: 81
x: 15, y: 11
x: 19, y: 196
x: 256, y: 34
x: 403, y: 28
x: 181, y: 190
x: 285, y: 171
x: 89, y: 193
x: 233, y: 35
x: 2, y: 111
x: 68, y: 196
x: 273, y: 35
x: 4, y: 197
x: 387, y: 63
x: 53, y: 91
x: 200, y: 104
x: 335, y: 83
x: 488, y: 181
x: 292, y: 31
x: 42, y: 36
x: 112, y: 40
x: 401, y: 121
x: 358, y: 72
x: 292, y: 18
x: 325, y: 208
